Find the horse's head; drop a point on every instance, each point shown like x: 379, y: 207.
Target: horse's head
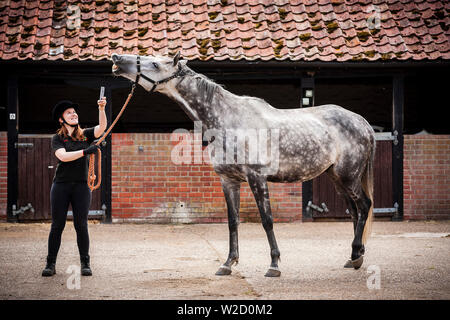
x: 151, y: 72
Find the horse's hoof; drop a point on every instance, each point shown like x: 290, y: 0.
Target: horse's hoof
x: 357, y: 263
x: 273, y: 272
x: 348, y: 264
x: 223, y: 271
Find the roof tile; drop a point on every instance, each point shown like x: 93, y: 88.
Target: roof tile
x: 326, y: 30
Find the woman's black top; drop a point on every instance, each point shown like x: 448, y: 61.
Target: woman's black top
x: 76, y: 170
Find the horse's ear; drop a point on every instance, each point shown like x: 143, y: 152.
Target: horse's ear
x: 176, y: 58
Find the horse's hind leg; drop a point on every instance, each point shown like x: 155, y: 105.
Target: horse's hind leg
x: 260, y: 189
x: 231, y: 190
x: 353, y: 209
x: 346, y: 192
x: 351, y: 205
x: 363, y: 203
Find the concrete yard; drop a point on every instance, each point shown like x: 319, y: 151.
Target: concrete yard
x: 404, y: 260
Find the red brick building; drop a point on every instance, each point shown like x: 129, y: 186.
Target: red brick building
x: 383, y: 61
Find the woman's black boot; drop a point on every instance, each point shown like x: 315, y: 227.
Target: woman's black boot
x: 85, y: 267
x: 50, y: 267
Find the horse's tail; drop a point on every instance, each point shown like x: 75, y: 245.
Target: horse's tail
x: 367, y: 185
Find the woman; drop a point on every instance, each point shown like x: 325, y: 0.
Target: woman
x: 71, y: 145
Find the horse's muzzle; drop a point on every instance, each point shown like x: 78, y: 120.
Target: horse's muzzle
x: 117, y: 60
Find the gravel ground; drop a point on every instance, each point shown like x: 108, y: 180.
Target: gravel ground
x: 404, y: 260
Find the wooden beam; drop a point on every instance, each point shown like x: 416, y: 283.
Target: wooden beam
x: 106, y: 159
x: 307, y: 186
x: 397, y: 147
x: 13, y: 128
x: 307, y: 195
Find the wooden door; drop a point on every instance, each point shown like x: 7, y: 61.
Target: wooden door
x: 328, y: 204
x: 36, y: 169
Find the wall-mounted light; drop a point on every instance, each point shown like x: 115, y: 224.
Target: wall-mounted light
x: 305, y: 101
x: 309, y: 93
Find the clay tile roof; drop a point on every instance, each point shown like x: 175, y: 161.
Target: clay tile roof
x: 295, y: 30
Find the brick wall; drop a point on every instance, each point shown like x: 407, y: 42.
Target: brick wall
x: 148, y: 185
x: 3, y: 173
x: 427, y: 177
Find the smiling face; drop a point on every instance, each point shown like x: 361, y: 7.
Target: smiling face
x: 153, y: 67
x: 70, y: 115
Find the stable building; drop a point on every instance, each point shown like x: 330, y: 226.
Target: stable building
x: 386, y: 61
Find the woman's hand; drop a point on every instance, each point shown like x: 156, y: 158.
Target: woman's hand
x: 101, y: 103
x: 91, y: 149
x: 102, y: 121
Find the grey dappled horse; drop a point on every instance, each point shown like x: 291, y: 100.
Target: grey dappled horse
x: 309, y: 141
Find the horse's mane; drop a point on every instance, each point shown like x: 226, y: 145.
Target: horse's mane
x: 205, y: 85
x: 209, y: 88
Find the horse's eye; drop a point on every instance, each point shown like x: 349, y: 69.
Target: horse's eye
x: 155, y: 65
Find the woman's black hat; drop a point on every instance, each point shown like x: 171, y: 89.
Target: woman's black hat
x: 62, y: 106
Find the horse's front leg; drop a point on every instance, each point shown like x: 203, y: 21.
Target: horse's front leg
x: 232, y: 196
x: 260, y: 189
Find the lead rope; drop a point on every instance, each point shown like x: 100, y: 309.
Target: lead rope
x: 91, y: 173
